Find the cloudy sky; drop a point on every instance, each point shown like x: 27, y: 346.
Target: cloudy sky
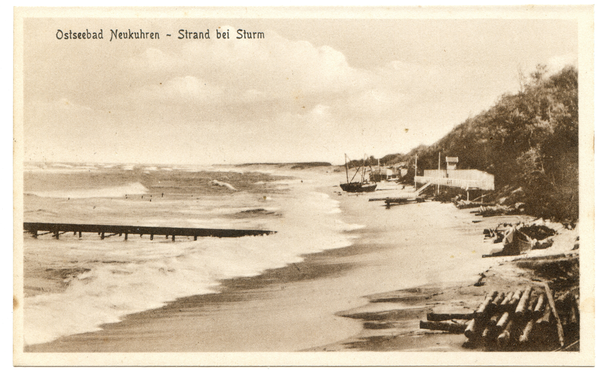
x: 311, y: 90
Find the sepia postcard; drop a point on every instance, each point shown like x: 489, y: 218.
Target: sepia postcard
x: 303, y: 186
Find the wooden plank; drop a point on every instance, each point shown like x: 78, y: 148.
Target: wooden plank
x: 435, y: 317
x: 559, y: 327
x: 443, y: 326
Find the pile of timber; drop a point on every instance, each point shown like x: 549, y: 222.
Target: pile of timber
x: 499, y: 209
x: 495, y: 210
x: 525, y: 319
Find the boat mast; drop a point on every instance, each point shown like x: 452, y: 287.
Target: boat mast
x: 346, y: 164
x: 439, y: 171
x: 416, y: 160
x: 362, y: 178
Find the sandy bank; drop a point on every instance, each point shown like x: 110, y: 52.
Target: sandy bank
x: 391, y: 319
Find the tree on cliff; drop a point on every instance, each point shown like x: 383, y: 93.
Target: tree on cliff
x: 528, y: 140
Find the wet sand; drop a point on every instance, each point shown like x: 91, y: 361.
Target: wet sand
x: 301, y: 306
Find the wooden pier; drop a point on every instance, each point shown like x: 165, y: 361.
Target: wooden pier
x: 56, y: 229
x: 398, y: 200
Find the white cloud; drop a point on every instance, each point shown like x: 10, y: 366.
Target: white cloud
x: 277, y: 95
x: 276, y: 67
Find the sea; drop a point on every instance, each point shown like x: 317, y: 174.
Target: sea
x: 77, y: 284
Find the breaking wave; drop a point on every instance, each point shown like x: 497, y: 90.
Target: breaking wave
x: 107, y: 192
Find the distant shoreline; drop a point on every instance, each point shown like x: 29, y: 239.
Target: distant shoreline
x: 302, y: 164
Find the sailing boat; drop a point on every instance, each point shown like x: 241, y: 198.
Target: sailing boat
x: 354, y: 186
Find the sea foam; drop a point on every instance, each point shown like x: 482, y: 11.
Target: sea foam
x: 107, y: 192
x: 139, y: 274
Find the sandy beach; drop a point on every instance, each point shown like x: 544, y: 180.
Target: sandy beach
x: 401, y: 256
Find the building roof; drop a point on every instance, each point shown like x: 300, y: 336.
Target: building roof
x: 451, y: 159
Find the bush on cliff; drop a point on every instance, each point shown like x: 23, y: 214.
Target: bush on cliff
x: 528, y: 139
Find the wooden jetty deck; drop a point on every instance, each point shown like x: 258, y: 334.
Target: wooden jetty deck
x: 56, y: 229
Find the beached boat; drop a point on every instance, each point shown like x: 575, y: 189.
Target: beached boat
x: 358, y: 187
x: 362, y: 186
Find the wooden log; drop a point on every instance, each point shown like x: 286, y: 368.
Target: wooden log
x: 531, y: 305
x: 487, y: 333
x: 443, y: 326
x: 539, y: 306
x: 491, y: 331
x: 574, y: 313
x: 484, y: 308
x: 526, y: 332
x: 574, y: 317
x: 504, y: 337
x: 505, y: 302
x: 559, y: 328
x: 503, y: 321
x: 523, y: 302
x: 474, y: 328
x: 495, y: 318
x: 544, y: 320
x: 435, y: 317
x: 497, y: 301
x: 515, y: 298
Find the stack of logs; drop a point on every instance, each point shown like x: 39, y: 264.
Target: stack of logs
x: 519, y: 320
